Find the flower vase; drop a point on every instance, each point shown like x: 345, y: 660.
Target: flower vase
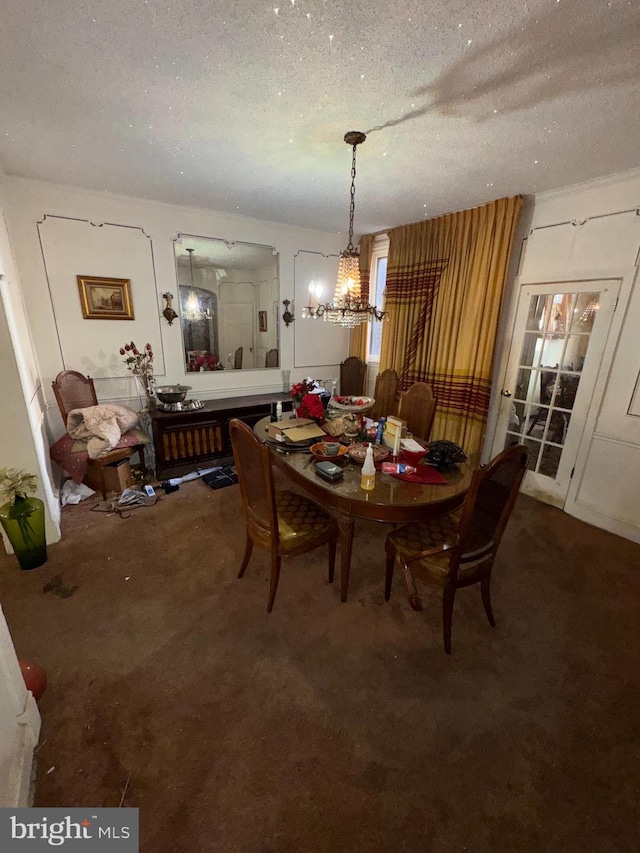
x: 146, y: 397
x: 23, y: 522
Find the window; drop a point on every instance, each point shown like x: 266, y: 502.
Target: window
x: 376, y: 297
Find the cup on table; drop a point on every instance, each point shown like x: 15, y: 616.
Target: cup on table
x: 331, y: 448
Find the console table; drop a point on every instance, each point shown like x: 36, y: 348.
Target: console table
x: 184, y: 441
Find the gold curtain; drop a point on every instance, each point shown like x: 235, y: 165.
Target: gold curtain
x: 358, y: 338
x: 445, y: 282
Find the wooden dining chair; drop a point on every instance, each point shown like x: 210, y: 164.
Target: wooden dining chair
x: 281, y: 522
x: 385, y: 394
x: 417, y: 406
x: 452, y: 552
x: 353, y: 372
x: 271, y: 358
x: 72, y: 390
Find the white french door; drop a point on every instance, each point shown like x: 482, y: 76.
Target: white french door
x: 558, y: 342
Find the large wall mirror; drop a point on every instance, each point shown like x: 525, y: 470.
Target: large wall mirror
x: 228, y: 303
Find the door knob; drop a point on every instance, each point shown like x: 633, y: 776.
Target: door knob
x: 505, y: 393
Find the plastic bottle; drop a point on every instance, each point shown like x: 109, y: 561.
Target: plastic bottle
x: 380, y: 430
x: 368, y: 476
x: 278, y: 411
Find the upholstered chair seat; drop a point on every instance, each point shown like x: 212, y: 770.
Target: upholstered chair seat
x: 282, y: 522
x: 455, y: 551
x: 438, y: 535
x: 302, y: 524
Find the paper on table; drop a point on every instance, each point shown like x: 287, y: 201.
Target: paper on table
x: 411, y: 445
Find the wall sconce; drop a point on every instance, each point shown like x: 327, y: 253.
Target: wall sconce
x: 287, y: 315
x: 169, y: 314
x: 315, y: 292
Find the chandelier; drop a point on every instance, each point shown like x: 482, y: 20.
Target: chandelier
x: 348, y: 308
x: 193, y: 309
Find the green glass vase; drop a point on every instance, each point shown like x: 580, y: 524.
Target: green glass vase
x: 23, y: 522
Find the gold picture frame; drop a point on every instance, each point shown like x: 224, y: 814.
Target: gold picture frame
x: 105, y: 298
x: 262, y: 321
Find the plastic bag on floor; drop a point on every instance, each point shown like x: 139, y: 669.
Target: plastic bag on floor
x: 73, y: 493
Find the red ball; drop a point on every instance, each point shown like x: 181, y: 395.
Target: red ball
x: 35, y: 678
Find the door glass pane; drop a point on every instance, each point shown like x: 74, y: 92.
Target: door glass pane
x: 534, y: 448
x: 531, y: 349
x: 525, y: 384
x: 561, y: 313
x: 550, y: 460
x: 536, y: 312
x: 575, y: 351
x: 537, y: 421
x: 552, y: 350
x: 584, y: 312
x: 517, y: 417
x: 558, y: 427
x: 567, y: 390
x: 552, y: 356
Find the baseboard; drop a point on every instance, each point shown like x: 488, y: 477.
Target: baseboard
x: 604, y: 522
x: 18, y: 789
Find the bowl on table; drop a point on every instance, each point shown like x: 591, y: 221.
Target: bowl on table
x: 172, y: 393
x: 358, y: 452
x: 350, y: 403
x: 328, y: 451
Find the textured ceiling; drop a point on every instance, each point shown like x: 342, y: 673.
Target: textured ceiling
x: 241, y: 105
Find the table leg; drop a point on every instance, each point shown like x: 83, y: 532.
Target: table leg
x: 345, y: 523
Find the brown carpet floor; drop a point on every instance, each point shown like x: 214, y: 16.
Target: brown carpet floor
x: 328, y: 726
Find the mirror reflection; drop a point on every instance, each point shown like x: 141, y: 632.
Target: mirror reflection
x: 228, y: 304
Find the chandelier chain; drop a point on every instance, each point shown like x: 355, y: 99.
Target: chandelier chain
x: 348, y: 308
x: 352, y: 205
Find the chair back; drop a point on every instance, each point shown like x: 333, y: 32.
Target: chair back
x: 271, y: 358
x: 353, y: 372
x: 385, y: 394
x: 73, y: 391
x: 237, y: 359
x: 488, y: 504
x: 255, y: 477
x: 417, y: 406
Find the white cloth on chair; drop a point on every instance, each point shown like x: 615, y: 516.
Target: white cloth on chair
x: 101, y: 426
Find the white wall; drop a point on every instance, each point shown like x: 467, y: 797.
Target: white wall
x: 19, y: 727
x: 587, y: 231
x: 24, y: 441
x: 55, y: 230
x: 316, y: 341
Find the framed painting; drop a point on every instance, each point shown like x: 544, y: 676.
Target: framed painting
x: 262, y: 321
x: 105, y: 298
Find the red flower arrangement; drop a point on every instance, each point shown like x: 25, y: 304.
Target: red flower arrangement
x: 311, y: 407
x: 301, y: 389
x: 140, y: 363
x: 209, y: 362
x: 309, y: 404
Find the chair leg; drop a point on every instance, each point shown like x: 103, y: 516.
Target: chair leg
x: 275, y: 577
x: 388, y: 576
x: 248, y: 549
x: 143, y: 466
x: 414, y: 598
x: 485, y: 588
x: 448, y: 597
x: 332, y: 559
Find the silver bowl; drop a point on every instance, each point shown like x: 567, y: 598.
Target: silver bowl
x: 172, y: 393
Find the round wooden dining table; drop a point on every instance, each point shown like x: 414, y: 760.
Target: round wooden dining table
x: 393, y: 500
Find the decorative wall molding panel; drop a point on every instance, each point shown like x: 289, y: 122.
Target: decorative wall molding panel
x: 72, y: 247
x: 316, y: 343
